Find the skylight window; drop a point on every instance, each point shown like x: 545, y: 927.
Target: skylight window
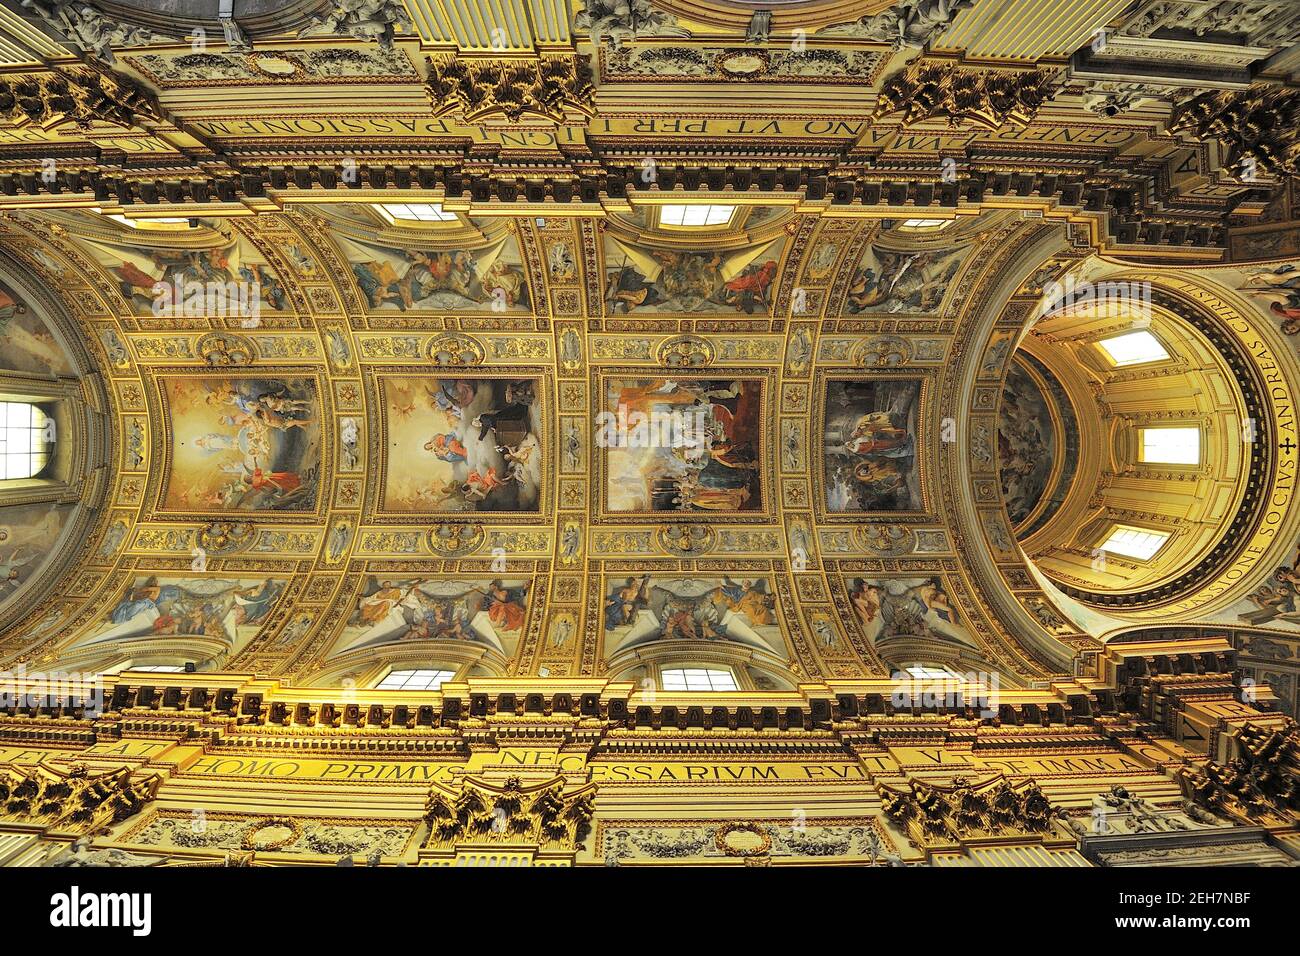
x: 698, y: 679
x: 926, y: 224
x: 146, y: 222
x: 25, y: 440
x: 414, y: 680
x: 415, y: 212
x: 928, y: 672
x: 1134, y: 348
x: 695, y: 215
x: 159, y: 668
x: 1171, y: 446
x: 1137, y: 543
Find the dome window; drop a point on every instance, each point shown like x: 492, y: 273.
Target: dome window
x: 1130, y: 542
x: 26, y: 440
x: 1171, y: 446
x: 1134, y: 348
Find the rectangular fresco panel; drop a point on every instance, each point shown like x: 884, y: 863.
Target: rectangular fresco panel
x: 650, y: 608
x: 232, y: 609
x: 242, y: 444
x: 684, y: 445
x: 463, y: 444
x: 672, y: 281
x: 870, y: 459
x: 485, y: 611
x: 487, y: 278
x: 26, y: 342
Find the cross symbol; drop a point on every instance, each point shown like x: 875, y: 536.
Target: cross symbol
x: 1287, y: 445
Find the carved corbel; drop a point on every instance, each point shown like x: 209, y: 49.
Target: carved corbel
x: 1260, y: 786
x: 945, y: 816
x: 543, y: 818
x: 72, y: 798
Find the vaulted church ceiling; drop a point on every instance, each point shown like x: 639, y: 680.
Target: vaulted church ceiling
x: 516, y: 444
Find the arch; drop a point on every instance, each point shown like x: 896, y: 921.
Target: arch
x: 58, y: 372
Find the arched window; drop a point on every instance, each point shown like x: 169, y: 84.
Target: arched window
x: 26, y: 440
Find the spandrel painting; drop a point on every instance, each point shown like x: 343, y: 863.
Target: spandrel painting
x: 1038, y: 444
x: 648, y: 608
x: 463, y: 444
x: 870, y: 445
x: 1026, y: 444
x: 242, y: 444
x: 902, y: 280
x: 1275, y: 287
x: 462, y: 279
x: 28, y: 535
x: 26, y: 342
x: 682, y: 445
x: 904, y: 616
x: 233, y: 609
x: 1274, y: 604
x: 650, y: 280
x: 487, y: 611
x: 232, y: 279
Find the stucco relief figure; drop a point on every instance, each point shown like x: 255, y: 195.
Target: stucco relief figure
x: 621, y: 20
x: 373, y: 20
x: 88, y: 29
x: 911, y: 24
x: 488, y: 611
x: 463, y: 444
x: 640, y: 610
x: 870, y: 452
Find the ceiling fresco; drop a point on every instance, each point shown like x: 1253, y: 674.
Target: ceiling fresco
x: 429, y: 446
